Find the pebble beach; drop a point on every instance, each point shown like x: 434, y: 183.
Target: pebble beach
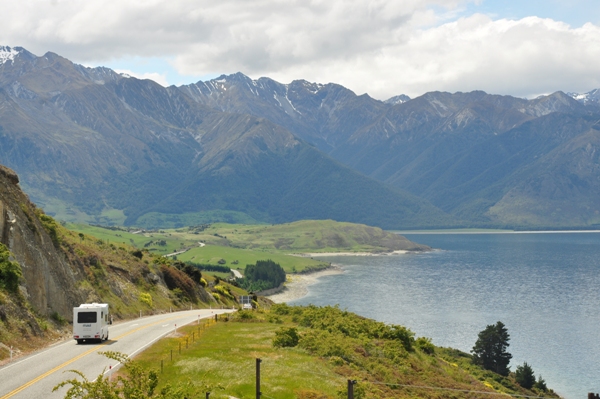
x: 297, y: 285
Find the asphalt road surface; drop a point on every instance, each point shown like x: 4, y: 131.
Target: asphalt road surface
x: 34, y: 376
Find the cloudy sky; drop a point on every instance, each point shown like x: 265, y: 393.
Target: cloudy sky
x: 381, y: 47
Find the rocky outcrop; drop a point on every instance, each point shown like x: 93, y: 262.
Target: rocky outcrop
x: 49, y: 281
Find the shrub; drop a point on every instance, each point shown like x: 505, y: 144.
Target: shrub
x: 336, y: 320
x: 138, y: 254
x: 245, y: 315
x: 425, y: 345
x: 146, y: 298
x: 286, y: 337
x: 223, y: 291
x: 10, y: 271
x: 175, y: 278
x: 58, y: 318
x: 50, y: 226
x: 192, y: 271
x: 326, y: 344
x: 216, y: 296
x: 203, y: 282
x: 280, y: 309
x: 272, y: 318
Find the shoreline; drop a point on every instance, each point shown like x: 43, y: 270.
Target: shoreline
x: 296, y: 285
x: 326, y: 254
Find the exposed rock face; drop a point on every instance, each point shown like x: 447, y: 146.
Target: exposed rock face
x: 49, y: 280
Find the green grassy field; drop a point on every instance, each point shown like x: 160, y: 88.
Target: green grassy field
x: 305, y: 236
x: 222, y: 360
x: 212, y: 254
x: 165, y: 242
x: 160, y: 242
x: 240, y: 244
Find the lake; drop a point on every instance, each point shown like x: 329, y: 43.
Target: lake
x: 545, y: 287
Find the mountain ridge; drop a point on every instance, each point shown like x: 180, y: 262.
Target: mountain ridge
x: 94, y: 140
x: 97, y: 142
x: 417, y: 143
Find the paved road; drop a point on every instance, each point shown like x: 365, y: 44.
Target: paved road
x: 34, y: 376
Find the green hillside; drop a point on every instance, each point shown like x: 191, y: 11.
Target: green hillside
x: 236, y: 245
x: 311, y: 352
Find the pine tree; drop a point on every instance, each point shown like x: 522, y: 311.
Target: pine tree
x: 524, y: 376
x: 490, y: 349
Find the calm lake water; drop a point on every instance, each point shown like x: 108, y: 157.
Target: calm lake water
x: 545, y: 287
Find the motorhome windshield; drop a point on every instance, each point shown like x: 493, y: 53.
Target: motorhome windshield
x: 87, y: 317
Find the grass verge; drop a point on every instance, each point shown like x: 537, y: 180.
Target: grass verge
x: 221, y: 358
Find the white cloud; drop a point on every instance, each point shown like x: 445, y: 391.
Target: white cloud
x: 383, y: 47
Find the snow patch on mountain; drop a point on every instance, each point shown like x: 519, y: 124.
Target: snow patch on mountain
x: 401, y: 99
x: 7, y: 54
x: 592, y: 97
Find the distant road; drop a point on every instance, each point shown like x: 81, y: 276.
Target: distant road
x: 201, y: 244
x: 34, y: 376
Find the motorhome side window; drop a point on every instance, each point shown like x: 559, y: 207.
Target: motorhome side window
x: 87, y: 317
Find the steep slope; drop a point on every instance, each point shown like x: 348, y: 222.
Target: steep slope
x: 464, y: 152
x: 563, y: 184
x: 62, y: 269
x: 53, y: 270
x: 92, y: 141
x: 50, y: 281
x: 325, y: 115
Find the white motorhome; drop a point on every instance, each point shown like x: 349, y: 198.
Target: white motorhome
x: 90, y: 322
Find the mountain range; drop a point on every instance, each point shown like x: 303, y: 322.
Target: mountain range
x: 91, y: 143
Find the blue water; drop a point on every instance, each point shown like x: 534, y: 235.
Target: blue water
x: 545, y: 287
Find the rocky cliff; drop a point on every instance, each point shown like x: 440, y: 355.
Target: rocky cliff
x: 62, y: 269
x: 49, y: 280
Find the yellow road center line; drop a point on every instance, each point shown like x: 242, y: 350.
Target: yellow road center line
x: 55, y: 369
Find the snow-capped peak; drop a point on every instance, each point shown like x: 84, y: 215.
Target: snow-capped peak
x: 7, y: 54
x: 586, y: 98
x: 401, y: 99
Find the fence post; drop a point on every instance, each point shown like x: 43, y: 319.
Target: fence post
x: 351, y: 389
x: 258, y: 393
